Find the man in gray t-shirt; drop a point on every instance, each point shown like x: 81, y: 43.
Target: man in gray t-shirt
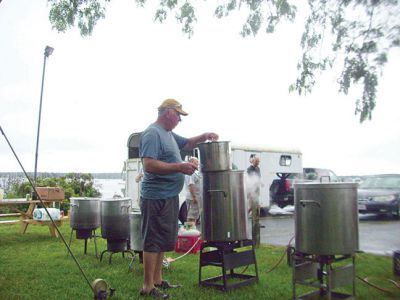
x: 163, y: 180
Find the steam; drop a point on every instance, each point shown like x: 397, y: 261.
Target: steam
x: 253, y: 186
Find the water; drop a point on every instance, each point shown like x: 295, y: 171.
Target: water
x: 110, y: 187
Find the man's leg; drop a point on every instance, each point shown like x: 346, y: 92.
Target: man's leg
x: 150, y: 260
x: 157, y: 276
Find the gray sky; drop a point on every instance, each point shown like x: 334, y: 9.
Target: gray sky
x: 100, y: 89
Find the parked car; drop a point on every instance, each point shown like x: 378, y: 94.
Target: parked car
x: 319, y: 174
x: 281, y: 191
x: 380, y: 194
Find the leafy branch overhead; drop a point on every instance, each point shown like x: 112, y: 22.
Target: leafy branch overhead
x: 356, y: 34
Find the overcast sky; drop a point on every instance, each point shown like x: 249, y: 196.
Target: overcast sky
x: 98, y: 90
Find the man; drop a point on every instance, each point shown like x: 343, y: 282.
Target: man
x: 253, y: 194
x: 194, y: 194
x: 163, y: 180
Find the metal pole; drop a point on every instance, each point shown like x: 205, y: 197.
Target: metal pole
x: 47, y: 52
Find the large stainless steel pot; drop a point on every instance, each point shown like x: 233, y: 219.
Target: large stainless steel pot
x: 326, y: 218
x: 135, y: 221
x: 224, y: 206
x: 115, y: 218
x: 215, y: 156
x: 85, y: 213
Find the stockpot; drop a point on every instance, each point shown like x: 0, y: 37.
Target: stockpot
x: 115, y: 218
x: 135, y: 221
x: 326, y: 218
x: 215, y: 156
x: 224, y: 206
x: 85, y: 213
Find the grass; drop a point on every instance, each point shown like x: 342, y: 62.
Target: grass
x: 35, y: 266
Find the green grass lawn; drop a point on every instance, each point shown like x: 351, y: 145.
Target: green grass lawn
x: 35, y: 266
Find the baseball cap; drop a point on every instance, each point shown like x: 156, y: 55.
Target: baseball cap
x: 172, y: 103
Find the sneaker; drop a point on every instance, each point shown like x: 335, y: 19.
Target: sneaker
x: 166, y: 285
x: 155, y: 293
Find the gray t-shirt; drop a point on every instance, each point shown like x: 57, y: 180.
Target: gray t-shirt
x: 163, y: 145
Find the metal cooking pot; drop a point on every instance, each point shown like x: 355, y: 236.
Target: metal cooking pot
x: 85, y: 213
x: 326, y: 218
x: 215, y: 156
x: 135, y: 221
x: 115, y: 218
x: 224, y: 206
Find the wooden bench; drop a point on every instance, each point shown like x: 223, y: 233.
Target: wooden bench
x: 26, y: 218
x: 9, y: 222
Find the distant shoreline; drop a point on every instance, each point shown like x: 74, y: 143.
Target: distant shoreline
x: 60, y: 174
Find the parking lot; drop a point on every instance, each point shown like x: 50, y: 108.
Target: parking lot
x: 378, y: 234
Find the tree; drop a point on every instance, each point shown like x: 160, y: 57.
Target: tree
x: 356, y: 33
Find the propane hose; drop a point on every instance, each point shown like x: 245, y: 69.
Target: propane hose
x: 281, y: 258
x: 169, y: 260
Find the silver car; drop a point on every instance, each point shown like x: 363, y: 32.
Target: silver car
x: 380, y: 194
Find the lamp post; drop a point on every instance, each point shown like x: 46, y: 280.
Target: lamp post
x: 47, y: 52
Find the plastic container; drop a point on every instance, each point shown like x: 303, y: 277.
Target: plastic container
x: 186, y: 239
x: 40, y: 214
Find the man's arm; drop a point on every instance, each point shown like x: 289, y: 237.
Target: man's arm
x: 159, y: 167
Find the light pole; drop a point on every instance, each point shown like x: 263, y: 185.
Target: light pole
x: 47, y: 52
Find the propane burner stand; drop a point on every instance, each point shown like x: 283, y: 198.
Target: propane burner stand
x: 116, y: 246
x: 228, y: 256
x: 325, y: 273
x: 84, y: 234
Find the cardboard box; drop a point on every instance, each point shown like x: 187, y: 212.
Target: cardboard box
x: 51, y: 193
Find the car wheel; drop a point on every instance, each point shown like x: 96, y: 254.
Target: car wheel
x: 396, y: 212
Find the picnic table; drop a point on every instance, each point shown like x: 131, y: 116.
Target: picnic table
x: 26, y: 217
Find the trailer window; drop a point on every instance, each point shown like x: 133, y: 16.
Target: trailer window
x: 285, y: 160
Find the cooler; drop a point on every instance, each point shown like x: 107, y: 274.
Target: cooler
x: 187, y: 239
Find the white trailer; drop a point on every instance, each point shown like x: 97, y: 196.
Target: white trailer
x: 272, y: 161
x: 132, y: 167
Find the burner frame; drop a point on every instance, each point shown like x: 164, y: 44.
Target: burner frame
x: 86, y: 234
x: 321, y: 272
x: 228, y: 258
x: 124, y: 249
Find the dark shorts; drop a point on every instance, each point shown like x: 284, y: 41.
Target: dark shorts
x: 159, y: 224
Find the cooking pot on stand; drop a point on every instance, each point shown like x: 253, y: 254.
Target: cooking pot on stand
x: 215, y: 156
x: 135, y: 221
x: 84, y: 215
x: 115, y: 218
x: 326, y: 218
x: 224, y: 206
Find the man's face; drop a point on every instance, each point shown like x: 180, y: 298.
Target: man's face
x: 173, y: 118
x: 256, y: 161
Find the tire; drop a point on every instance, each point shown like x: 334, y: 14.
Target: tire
x: 396, y: 212
x: 183, y: 211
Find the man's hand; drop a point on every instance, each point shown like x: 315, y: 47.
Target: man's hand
x: 187, y: 168
x: 211, y: 136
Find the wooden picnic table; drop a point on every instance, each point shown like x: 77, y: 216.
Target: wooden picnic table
x: 26, y: 217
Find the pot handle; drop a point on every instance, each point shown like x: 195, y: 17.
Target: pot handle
x: 218, y: 191
x: 304, y: 202
x: 328, y: 178
x: 125, y: 206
